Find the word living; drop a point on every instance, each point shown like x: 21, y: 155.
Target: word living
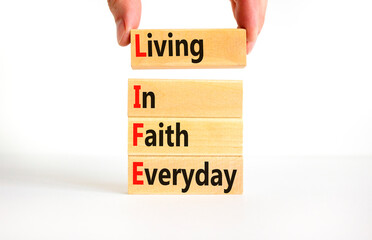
x: 173, y: 47
x: 170, y: 176
x: 154, y: 138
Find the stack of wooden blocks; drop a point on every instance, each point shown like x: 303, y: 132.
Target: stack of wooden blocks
x: 185, y: 136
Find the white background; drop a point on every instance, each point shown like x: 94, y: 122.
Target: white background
x: 307, y: 124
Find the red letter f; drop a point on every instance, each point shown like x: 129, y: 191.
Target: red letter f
x: 136, y: 134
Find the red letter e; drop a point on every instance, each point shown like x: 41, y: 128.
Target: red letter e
x: 136, y: 173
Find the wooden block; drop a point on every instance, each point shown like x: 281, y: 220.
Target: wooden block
x: 167, y: 174
x: 189, y: 136
x: 184, y: 98
x: 194, y: 48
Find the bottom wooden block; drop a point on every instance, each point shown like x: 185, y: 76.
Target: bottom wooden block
x: 185, y: 174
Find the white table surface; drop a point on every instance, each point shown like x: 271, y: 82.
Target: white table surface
x: 72, y: 197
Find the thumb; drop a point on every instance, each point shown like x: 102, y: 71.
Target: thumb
x: 250, y: 15
x: 127, y: 14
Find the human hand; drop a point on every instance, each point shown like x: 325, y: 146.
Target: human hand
x: 127, y: 14
x: 249, y: 14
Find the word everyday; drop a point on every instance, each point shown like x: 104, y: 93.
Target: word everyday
x: 203, y: 177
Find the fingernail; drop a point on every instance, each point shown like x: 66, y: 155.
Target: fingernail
x: 250, y: 46
x: 120, y: 30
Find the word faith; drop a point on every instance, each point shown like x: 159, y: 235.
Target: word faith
x: 153, y: 137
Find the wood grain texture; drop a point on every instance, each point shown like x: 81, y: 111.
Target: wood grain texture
x: 186, y: 98
x: 206, y: 136
x: 173, y: 163
x: 222, y: 48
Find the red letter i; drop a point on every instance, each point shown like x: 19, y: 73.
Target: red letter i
x: 136, y: 98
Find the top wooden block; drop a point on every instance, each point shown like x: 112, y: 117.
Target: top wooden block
x: 194, y: 48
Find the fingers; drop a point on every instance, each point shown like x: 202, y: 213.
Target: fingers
x: 127, y: 14
x: 250, y: 15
